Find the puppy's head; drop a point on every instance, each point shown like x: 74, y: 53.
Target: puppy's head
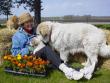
x: 44, y: 28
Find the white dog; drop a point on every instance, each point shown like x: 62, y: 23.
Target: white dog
x: 75, y: 37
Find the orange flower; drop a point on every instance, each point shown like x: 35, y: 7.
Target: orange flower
x: 30, y: 57
x: 39, y: 61
x: 15, y: 62
x: 19, y: 64
x: 36, y: 62
x: 22, y: 65
x: 9, y: 57
x: 25, y: 57
x: 29, y: 64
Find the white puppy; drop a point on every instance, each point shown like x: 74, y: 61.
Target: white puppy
x: 75, y: 37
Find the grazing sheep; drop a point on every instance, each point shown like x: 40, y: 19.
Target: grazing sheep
x: 75, y: 37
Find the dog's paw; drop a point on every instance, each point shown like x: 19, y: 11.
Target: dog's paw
x: 88, y: 76
x: 34, y: 52
x: 87, y: 73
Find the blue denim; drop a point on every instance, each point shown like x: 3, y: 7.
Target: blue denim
x: 20, y: 42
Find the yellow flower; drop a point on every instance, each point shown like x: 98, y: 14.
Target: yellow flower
x: 5, y: 57
x: 19, y: 57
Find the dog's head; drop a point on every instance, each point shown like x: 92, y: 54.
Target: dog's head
x: 35, y: 41
x: 44, y: 29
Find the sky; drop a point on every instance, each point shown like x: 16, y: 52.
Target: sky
x: 70, y: 7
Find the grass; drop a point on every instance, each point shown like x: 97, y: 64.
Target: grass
x: 55, y: 76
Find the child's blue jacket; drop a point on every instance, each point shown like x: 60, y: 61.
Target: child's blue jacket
x: 20, y: 42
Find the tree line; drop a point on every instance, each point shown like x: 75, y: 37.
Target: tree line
x: 34, y: 6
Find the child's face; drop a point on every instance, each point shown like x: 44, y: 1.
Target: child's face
x: 28, y: 25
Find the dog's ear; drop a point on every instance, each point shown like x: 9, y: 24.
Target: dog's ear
x: 43, y: 29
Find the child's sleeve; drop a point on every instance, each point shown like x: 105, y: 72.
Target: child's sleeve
x: 16, y: 47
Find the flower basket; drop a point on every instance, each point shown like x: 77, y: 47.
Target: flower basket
x: 25, y: 65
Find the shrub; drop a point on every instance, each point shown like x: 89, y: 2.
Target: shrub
x: 103, y: 26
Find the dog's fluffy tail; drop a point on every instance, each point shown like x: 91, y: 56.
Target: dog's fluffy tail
x: 105, y: 50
